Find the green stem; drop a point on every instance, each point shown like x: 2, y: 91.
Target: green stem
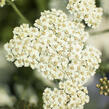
x: 99, y: 32
x: 103, y: 69
x: 18, y: 11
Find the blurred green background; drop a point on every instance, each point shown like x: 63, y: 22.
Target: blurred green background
x: 9, y: 19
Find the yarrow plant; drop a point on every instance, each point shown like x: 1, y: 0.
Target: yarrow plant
x: 56, y: 47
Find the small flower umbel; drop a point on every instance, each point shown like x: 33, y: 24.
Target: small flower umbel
x: 3, y: 2
x: 85, y: 10
x: 69, y: 96
x: 103, y: 86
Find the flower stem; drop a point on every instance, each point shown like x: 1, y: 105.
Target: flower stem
x: 18, y: 12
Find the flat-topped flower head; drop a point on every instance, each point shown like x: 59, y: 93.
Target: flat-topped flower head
x: 69, y: 96
x: 55, y: 47
x: 85, y: 10
x: 63, y: 40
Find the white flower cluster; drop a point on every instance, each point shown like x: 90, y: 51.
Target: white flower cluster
x: 3, y: 2
x: 69, y: 96
x: 57, y: 48
x: 21, y: 49
x: 85, y: 10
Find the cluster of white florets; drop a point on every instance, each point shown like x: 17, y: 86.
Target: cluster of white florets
x: 68, y: 96
x: 85, y: 10
x: 3, y: 2
x: 57, y: 47
x: 21, y: 49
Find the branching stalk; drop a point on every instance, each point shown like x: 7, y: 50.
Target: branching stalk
x: 18, y: 12
x: 99, y: 32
